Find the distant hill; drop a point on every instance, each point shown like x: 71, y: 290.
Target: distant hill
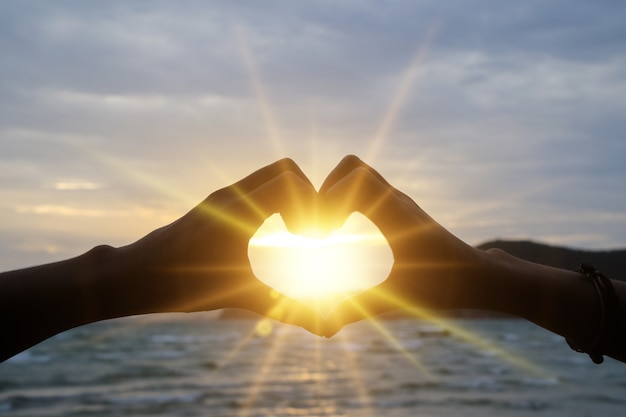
x: 611, y: 262
x: 238, y: 314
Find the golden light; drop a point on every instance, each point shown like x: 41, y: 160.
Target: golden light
x: 320, y: 271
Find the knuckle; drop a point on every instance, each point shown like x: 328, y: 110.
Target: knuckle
x: 287, y: 164
x: 351, y: 161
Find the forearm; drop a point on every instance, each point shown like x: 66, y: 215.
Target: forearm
x: 39, y: 302
x: 562, y: 301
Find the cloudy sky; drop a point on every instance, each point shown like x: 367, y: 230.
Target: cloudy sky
x: 501, y: 119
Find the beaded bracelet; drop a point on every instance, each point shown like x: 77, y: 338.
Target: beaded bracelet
x: 608, y: 328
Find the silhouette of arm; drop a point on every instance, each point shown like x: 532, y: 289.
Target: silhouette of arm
x: 433, y: 269
x: 197, y: 263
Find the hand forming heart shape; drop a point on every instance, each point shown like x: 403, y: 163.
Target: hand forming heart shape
x: 419, y: 245
x: 200, y: 262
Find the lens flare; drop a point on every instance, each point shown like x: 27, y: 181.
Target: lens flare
x: 320, y: 271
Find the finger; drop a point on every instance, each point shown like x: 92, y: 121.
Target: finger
x: 348, y: 164
x: 220, y: 203
x: 287, y: 310
x: 268, y: 172
x: 288, y: 194
x: 264, y: 300
x: 347, y: 167
x: 362, y: 191
x: 255, y: 180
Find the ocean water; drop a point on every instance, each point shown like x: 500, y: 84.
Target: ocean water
x: 188, y: 365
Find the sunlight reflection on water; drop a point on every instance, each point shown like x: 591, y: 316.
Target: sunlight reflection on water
x: 186, y: 366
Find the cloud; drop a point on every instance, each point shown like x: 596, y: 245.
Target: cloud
x: 514, y: 109
x: 72, y: 185
x: 66, y: 211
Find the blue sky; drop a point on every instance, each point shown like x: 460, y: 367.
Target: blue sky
x: 501, y: 119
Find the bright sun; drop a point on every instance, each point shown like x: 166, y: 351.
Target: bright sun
x: 320, y: 271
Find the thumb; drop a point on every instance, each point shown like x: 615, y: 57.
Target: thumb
x: 366, y: 305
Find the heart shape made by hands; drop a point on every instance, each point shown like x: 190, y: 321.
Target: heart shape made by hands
x: 321, y: 272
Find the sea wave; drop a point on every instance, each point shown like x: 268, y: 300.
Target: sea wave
x: 176, y: 369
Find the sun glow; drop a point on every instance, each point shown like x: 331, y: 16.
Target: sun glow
x: 320, y: 271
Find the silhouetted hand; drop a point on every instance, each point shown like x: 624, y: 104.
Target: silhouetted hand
x: 432, y: 268
x: 200, y: 262
x: 197, y: 263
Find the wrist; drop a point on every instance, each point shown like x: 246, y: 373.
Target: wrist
x: 507, y: 290
x: 116, y: 281
x: 560, y: 300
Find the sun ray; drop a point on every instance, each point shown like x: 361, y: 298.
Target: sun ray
x: 259, y: 89
x: 392, y: 339
x: 271, y: 125
x: 137, y: 175
x: 160, y: 185
x: 318, y: 361
x: 201, y: 302
x: 320, y: 272
x: 175, y: 193
x: 213, y: 212
x: 402, y: 92
x: 276, y: 312
x: 353, y: 193
x: 259, y: 380
x: 356, y: 376
x: 233, y: 352
x: 278, y: 309
x: 314, y: 162
x: 463, y: 334
x: 255, y: 207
